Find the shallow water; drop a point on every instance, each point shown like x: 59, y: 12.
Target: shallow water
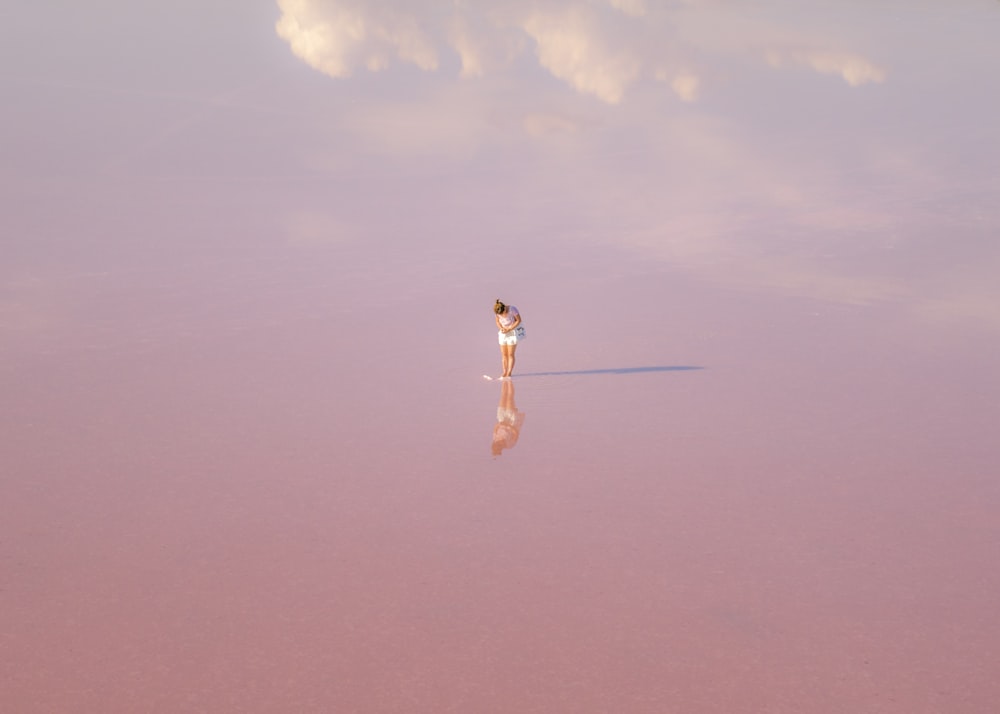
x: 245, y: 314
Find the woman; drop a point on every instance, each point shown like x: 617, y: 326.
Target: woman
x: 510, y: 333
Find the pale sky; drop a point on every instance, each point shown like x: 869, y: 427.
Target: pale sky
x: 755, y: 144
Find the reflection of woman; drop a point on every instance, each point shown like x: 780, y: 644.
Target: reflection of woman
x: 510, y: 333
x: 509, y: 420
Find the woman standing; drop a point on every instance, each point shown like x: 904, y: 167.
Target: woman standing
x: 510, y: 333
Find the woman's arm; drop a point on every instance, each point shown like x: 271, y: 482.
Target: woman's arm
x: 517, y: 321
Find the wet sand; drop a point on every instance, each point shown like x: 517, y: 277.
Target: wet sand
x: 246, y: 442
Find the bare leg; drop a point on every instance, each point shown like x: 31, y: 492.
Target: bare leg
x: 510, y: 369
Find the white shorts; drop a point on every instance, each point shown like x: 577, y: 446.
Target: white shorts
x: 512, y: 337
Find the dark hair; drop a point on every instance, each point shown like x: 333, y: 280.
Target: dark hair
x: 499, y: 307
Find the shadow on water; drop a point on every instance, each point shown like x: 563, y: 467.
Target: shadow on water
x: 614, y: 370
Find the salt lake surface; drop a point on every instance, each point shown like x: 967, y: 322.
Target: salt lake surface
x: 248, y: 256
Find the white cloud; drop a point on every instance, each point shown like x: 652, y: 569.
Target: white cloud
x: 336, y: 37
x: 704, y: 188
x: 853, y: 69
x: 483, y: 43
x: 570, y: 45
x: 685, y: 86
x: 469, y: 50
x: 601, y: 48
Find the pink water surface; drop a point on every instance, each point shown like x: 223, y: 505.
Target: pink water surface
x: 245, y: 310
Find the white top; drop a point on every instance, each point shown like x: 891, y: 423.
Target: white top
x: 509, y: 317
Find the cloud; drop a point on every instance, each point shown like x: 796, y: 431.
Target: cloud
x: 571, y: 46
x: 337, y: 37
x: 718, y: 189
x: 600, y: 48
x: 853, y: 69
x: 686, y: 87
x: 468, y: 48
x: 483, y: 43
